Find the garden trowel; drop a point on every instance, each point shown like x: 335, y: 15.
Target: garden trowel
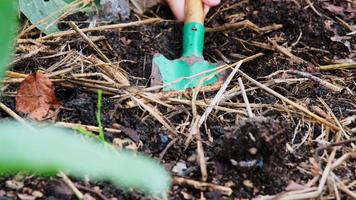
x: 187, y: 71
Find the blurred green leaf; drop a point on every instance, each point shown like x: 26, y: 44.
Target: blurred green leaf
x: 48, y: 150
x: 8, y: 25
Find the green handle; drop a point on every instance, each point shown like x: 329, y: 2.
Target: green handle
x: 193, y: 39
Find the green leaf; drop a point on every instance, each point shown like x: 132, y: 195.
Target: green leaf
x: 8, y: 25
x: 48, y: 150
x: 43, y: 14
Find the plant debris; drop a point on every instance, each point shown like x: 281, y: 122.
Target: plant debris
x: 282, y: 127
x: 36, y: 98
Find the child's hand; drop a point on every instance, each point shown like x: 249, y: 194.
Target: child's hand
x: 177, y: 7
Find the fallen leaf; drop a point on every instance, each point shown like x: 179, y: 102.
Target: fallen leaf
x: 35, y: 97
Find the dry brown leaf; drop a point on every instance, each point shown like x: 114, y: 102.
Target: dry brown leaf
x: 35, y: 97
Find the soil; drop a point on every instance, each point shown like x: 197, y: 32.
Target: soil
x: 249, y: 155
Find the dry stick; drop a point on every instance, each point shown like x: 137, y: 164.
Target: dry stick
x: 155, y: 113
x: 341, y: 128
x: 342, y: 159
x: 299, y: 107
x: 87, y: 189
x: 110, y: 70
x: 88, y: 40
x: 322, y: 82
x: 313, y: 8
x: 69, y: 55
x: 245, y: 24
x: 345, y: 189
x: 203, y: 104
x: 169, y: 145
x: 344, y: 23
x: 244, y: 96
x: 29, y: 55
x: 352, y: 33
x: 86, y: 127
x: 102, y: 28
x: 200, y: 151
x: 71, y: 185
x: 338, y: 66
x: 15, y: 116
x: 286, y: 52
x: 120, y: 77
x: 203, y: 186
x: 219, y: 95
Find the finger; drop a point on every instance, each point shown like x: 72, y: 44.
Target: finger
x: 211, y: 3
x: 177, y: 8
x: 206, y: 9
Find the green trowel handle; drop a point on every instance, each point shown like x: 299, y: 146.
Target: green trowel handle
x: 193, y: 30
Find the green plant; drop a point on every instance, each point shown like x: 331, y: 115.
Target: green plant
x: 98, y: 115
x: 8, y: 25
x: 47, y: 150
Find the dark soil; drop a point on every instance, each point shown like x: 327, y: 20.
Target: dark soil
x: 250, y: 155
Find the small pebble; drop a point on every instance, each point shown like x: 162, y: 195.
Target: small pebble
x: 247, y: 183
x: 180, y: 168
x: 253, y: 151
x: 26, y: 197
x: 233, y: 162
x: 163, y: 138
x: 15, y: 185
x: 192, y: 158
x: 37, y: 194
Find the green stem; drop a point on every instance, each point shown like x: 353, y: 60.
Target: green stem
x: 98, y: 116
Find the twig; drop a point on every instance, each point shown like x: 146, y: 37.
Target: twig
x: 338, y: 66
x: 245, y: 24
x: 88, y: 40
x: 244, y: 96
x: 200, y: 152
x: 313, y: 8
x: 108, y: 68
x: 344, y: 157
x: 286, y: 52
x: 299, y: 107
x: 114, y: 72
x: 15, y: 116
x: 155, y: 113
x: 341, y: 128
x: 97, y: 193
x: 322, y: 82
x: 219, y: 95
x: 203, y: 186
x: 86, y: 127
x: 169, y: 145
x: 71, y: 185
x: 101, y: 28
